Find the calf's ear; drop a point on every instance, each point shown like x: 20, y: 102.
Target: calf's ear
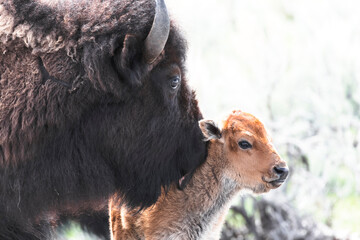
x: 209, y: 129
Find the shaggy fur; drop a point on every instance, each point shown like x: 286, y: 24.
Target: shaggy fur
x: 114, y: 125
x: 198, y: 212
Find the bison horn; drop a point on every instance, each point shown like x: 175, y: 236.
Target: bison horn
x: 159, y: 33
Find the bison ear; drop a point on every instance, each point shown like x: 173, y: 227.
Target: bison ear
x: 114, y: 66
x: 209, y: 129
x: 128, y: 61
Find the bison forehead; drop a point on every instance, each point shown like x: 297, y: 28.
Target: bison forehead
x: 237, y: 121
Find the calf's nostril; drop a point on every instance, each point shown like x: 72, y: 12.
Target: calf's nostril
x: 281, y: 171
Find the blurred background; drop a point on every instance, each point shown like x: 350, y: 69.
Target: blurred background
x: 295, y: 64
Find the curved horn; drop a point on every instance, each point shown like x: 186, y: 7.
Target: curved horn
x: 159, y: 33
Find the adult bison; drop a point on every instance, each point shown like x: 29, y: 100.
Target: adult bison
x: 94, y: 100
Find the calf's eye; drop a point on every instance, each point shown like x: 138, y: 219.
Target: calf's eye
x: 243, y: 144
x: 175, y: 82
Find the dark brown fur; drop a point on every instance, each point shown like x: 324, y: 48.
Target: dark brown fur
x: 104, y: 122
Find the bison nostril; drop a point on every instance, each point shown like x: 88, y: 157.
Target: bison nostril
x: 281, y: 171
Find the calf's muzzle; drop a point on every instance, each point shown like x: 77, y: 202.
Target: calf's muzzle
x: 282, y: 172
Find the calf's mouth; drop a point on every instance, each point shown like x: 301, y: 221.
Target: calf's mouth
x: 273, y: 182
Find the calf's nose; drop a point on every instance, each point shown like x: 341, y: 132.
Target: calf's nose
x: 282, y: 172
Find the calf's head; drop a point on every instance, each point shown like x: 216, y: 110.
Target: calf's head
x: 248, y: 156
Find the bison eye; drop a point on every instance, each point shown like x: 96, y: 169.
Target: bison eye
x: 175, y: 82
x: 244, y: 144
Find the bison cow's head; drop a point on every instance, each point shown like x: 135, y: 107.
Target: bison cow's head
x: 146, y: 126
x: 98, y: 101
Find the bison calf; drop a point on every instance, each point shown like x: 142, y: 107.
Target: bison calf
x: 240, y: 156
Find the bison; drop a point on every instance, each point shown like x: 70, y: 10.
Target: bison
x: 94, y: 101
x: 241, y: 156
